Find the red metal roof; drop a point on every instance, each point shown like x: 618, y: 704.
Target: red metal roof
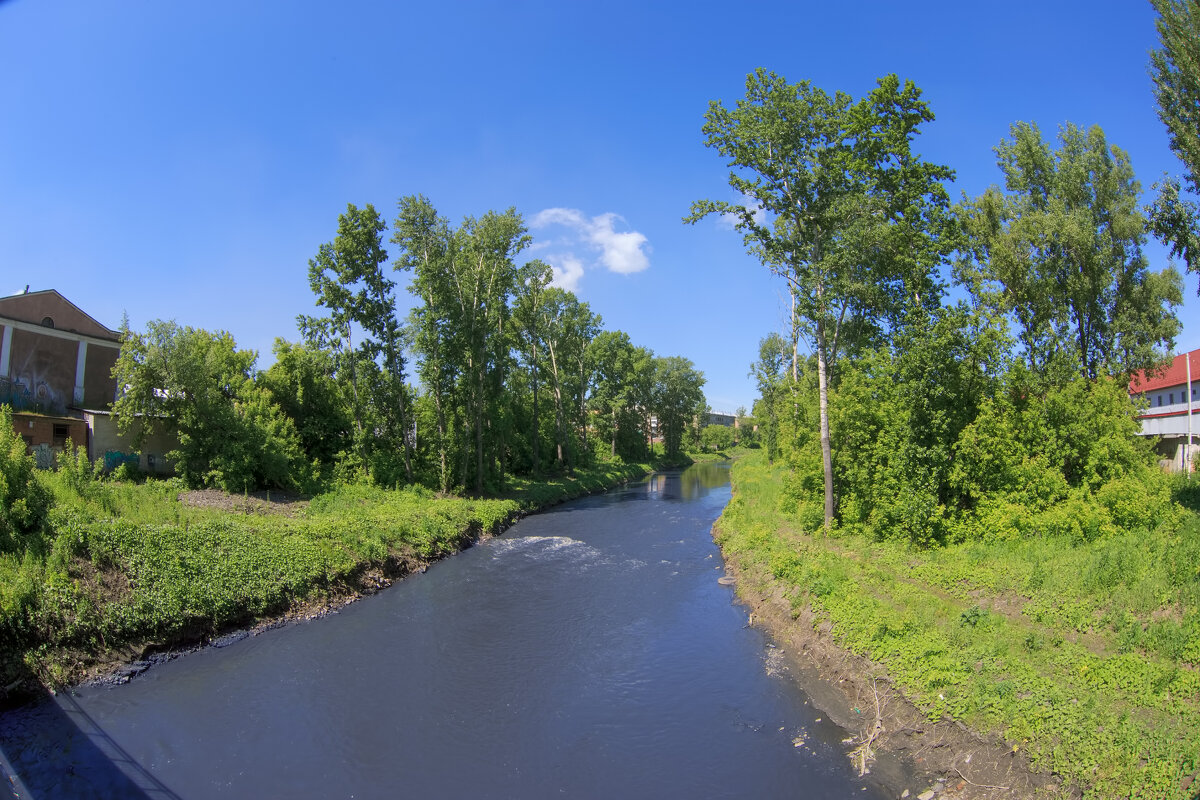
x: 1174, y: 375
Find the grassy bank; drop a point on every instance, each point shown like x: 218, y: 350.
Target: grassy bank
x: 1082, y: 655
x: 121, y: 569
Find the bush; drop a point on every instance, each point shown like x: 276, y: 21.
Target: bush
x: 76, y: 470
x: 24, y: 501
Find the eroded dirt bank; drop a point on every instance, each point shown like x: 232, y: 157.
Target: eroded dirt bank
x: 918, y: 758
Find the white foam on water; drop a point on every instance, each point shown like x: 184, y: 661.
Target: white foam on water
x: 539, y: 547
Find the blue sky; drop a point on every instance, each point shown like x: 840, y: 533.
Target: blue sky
x: 185, y: 161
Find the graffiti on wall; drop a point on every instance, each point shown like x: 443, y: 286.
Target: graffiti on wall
x: 32, y: 388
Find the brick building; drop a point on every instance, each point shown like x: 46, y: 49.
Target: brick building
x: 56, y: 367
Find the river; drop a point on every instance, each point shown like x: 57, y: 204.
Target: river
x: 589, y: 652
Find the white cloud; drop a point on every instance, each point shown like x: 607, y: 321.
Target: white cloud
x: 623, y: 252
x: 620, y: 252
x: 567, y: 272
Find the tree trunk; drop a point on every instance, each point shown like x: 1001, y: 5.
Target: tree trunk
x: 826, y: 451
x: 559, y: 422
x: 479, y: 436
x: 443, y: 467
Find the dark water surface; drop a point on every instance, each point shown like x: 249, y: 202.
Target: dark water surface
x: 587, y: 653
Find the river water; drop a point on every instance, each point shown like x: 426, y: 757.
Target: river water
x: 589, y: 652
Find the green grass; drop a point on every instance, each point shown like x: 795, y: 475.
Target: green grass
x: 1084, y: 655
x: 121, y: 565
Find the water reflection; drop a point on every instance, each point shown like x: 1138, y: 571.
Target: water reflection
x: 693, y: 483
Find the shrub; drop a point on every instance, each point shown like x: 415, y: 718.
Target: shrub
x: 24, y: 501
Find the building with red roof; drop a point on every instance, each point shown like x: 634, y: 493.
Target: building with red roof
x: 1172, y: 409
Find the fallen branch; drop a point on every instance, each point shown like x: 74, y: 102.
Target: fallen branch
x: 863, y: 755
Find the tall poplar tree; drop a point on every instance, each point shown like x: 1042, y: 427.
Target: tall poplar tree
x: 1060, y: 253
x: 837, y: 203
x: 347, y: 277
x: 1175, y: 68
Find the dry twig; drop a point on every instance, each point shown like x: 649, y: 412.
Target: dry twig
x: 864, y: 754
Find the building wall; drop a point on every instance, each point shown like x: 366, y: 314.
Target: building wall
x: 51, y: 368
x: 106, y: 438
x: 34, y: 307
x: 46, y: 436
x: 41, y: 372
x: 1172, y: 398
x: 99, y: 385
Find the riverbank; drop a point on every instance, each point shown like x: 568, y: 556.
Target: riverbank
x: 1021, y: 669
x: 127, y: 575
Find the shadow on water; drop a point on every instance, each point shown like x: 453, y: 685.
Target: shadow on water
x: 53, y: 749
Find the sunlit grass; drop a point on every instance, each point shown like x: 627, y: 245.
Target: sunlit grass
x: 1084, y: 655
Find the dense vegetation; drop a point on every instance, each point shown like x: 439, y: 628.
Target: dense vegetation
x: 1081, y: 654
x: 515, y: 377
x: 958, y: 486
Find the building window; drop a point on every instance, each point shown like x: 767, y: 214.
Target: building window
x: 47, y: 322
x: 1172, y: 400
x: 61, y: 434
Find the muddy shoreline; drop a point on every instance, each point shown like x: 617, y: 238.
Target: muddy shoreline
x: 916, y: 758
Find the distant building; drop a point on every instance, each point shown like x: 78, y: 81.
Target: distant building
x: 718, y: 418
x: 1172, y: 399
x: 53, y: 356
x: 55, y: 362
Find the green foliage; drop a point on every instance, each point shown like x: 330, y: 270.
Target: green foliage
x: 77, y: 470
x: 677, y: 400
x: 716, y: 437
x: 23, y: 500
x: 198, y: 385
x: 768, y: 373
x: 1079, y: 652
x: 1176, y: 72
x: 347, y: 277
x: 302, y: 383
x: 1060, y: 253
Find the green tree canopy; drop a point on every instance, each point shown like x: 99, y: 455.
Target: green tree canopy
x: 836, y: 202
x: 1175, y: 68
x: 302, y: 383
x: 1061, y: 254
x: 197, y: 383
x: 347, y: 277
x: 678, y: 398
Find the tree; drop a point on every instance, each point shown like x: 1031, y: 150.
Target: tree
x: 567, y: 326
x: 837, y: 203
x: 768, y: 374
x: 1175, y: 69
x: 1061, y: 254
x: 347, y: 277
x: 302, y: 384
x: 716, y: 437
x: 232, y: 435
x: 678, y: 398
x: 427, y: 250
x: 612, y: 356
x: 466, y: 279
x: 532, y: 284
